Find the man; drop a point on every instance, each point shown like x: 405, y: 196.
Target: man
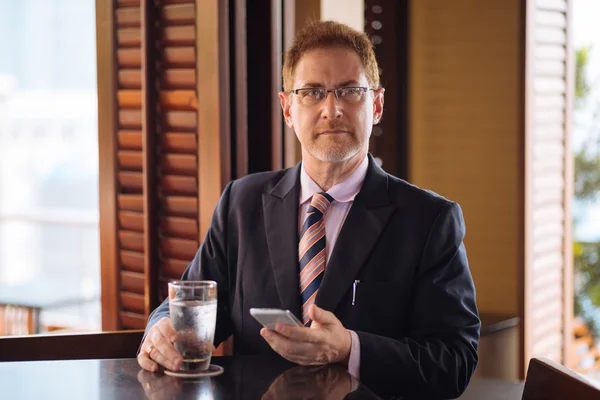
x: 375, y: 267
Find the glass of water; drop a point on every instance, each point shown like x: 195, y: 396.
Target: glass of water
x: 193, y: 309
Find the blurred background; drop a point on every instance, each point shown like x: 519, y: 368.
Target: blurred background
x: 49, y: 234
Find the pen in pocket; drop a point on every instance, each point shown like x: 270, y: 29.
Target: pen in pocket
x: 354, y: 285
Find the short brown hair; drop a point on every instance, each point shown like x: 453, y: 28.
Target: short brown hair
x: 322, y: 34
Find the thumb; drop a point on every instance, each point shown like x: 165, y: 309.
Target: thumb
x: 320, y: 315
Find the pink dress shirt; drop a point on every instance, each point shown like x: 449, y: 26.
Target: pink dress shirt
x: 343, y: 194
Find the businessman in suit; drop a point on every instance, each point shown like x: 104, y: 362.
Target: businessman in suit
x: 373, y: 266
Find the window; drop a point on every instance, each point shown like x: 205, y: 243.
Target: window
x: 49, y: 244
x: 586, y: 204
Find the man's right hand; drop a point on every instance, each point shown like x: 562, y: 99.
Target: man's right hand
x: 157, y: 347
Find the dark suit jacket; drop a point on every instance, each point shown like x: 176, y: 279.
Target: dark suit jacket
x: 414, y: 310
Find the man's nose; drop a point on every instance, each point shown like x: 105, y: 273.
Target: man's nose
x: 331, y: 106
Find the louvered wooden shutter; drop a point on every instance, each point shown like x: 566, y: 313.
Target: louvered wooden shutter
x: 131, y: 242
x: 548, y: 189
x: 177, y: 166
x: 163, y: 84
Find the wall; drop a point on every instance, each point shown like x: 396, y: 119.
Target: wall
x: 464, y: 130
x: 349, y: 12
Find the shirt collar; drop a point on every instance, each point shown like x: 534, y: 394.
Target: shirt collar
x: 342, y: 192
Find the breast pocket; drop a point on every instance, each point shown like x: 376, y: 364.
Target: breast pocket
x: 379, y: 307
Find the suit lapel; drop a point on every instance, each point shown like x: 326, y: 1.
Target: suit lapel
x: 361, y: 230
x: 280, y: 210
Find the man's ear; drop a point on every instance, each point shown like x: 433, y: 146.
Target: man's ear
x: 378, y: 105
x: 286, y: 101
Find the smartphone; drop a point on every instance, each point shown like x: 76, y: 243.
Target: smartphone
x: 269, y: 317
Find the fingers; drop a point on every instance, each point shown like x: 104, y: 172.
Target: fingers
x: 163, y: 341
x: 326, y: 341
x: 299, y: 334
x: 321, y: 316
x: 164, y: 352
x: 143, y: 360
x: 165, y: 326
x: 159, y: 348
x: 298, y: 352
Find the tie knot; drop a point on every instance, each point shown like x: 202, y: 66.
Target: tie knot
x: 320, y: 202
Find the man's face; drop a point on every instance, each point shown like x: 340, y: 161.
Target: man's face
x: 331, y: 129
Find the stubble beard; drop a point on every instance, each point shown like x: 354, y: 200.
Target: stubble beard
x: 334, y: 148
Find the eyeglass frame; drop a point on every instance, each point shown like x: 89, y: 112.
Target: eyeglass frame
x: 334, y: 91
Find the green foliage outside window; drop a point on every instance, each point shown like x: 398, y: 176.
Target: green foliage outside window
x: 587, y: 188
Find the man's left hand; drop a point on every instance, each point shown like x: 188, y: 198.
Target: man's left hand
x: 325, y: 342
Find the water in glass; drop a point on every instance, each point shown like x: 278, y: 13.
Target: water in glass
x: 194, y: 320
x: 193, y: 309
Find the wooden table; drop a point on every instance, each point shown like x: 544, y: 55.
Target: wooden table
x: 246, y: 377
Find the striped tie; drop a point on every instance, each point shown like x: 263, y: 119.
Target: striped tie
x: 311, y: 251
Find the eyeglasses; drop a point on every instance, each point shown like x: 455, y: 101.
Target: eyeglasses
x: 312, y: 96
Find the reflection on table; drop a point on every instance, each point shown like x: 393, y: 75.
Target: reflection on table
x: 246, y: 377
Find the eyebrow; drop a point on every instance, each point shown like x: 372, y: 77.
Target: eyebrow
x: 342, y: 84
x: 348, y: 83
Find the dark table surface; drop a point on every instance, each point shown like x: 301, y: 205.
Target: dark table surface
x: 244, y: 378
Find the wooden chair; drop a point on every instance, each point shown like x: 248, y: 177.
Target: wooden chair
x: 18, y: 320
x: 548, y: 380
x: 123, y: 344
